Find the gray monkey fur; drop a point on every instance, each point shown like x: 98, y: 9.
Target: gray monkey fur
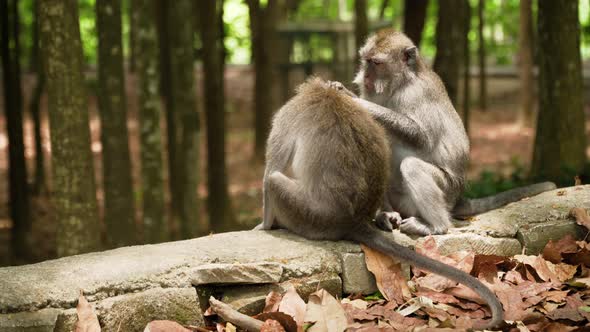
x: 327, y: 165
x: 430, y: 148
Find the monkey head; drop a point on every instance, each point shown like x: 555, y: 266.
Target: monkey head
x: 389, y: 59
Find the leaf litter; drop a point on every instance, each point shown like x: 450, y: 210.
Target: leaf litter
x: 547, y: 292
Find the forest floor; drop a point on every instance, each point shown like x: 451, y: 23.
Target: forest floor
x: 498, y: 144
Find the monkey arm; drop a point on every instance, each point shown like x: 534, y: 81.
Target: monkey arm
x: 401, y: 125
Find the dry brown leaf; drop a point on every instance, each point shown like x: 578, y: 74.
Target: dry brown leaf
x: 554, y: 295
x: 581, y: 217
x: 553, y: 250
x: 272, y: 301
x: 286, y: 321
x: 87, y: 319
x: 325, y: 312
x: 292, y: 304
x: 388, y: 275
x: 546, y: 270
x: 165, y: 326
x: 570, y: 311
x: 271, y: 326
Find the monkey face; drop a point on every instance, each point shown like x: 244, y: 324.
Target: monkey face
x: 388, y: 58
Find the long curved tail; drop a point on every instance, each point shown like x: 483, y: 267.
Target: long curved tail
x: 466, y: 207
x: 377, y: 240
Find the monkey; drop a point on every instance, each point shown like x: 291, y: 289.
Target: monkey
x: 327, y: 169
x: 430, y: 148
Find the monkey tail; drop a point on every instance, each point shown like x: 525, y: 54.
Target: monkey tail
x: 376, y: 239
x: 466, y: 207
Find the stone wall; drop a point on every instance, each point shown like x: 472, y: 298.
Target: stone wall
x: 131, y: 286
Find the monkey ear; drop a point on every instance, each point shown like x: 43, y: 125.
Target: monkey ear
x: 410, y: 55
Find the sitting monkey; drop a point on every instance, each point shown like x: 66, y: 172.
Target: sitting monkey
x: 429, y: 145
x: 327, y: 168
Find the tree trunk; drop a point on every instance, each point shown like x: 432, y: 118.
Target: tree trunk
x: 132, y: 9
x: 172, y: 120
x: 39, y: 184
x: 481, y: 57
x: 263, y: 24
x: 560, y: 141
x: 152, y: 181
x: 183, y: 109
x: 361, y: 26
x: 118, y: 189
x: 466, y: 65
x: 525, y: 52
x: 17, y: 170
x: 449, y: 38
x: 414, y: 17
x: 218, y: 203
x: 74, y: 194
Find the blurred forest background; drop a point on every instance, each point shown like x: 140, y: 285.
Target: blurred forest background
x: 159, y: 110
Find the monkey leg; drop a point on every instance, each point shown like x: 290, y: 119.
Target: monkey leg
x: 421, y: 184
x: 298, y: 212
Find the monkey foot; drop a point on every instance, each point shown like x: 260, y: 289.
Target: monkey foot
x: 413, y: 225
x: 388, y: 221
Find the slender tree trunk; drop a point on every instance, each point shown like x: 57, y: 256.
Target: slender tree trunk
x: 74, y: 194
x: 172, y: 119
x: 525, y: 52
x: 132, y: 9
x: 466, y: 65
x: 35, y: 106
x: 481, y: 57
x: 218, y: 204
x: 560, y: 141
x: 19, y: 200
x: 152, y: 181
x: 361, y: 25
x: 382, y: 8
x: 414, y: 18
x: 449, y: 38
x: 183, y: 108
x: 118, y: 189
x: 263, y: 24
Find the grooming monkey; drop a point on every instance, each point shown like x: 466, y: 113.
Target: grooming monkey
x: 327, y: 166
x: 430, y: 148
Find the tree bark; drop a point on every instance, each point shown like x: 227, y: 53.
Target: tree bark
x: 263, y: 24
x: 466, y: 65
x: 183, y: 109
x: 74, y: 195
x: 119, y: 214
x: 361, y: 26
x: 132, y: 9
x: 483, y: 99
x: 39, y: 184
x: 414, y: 17
x: 525, y: 53
x: 19, y: 199
x: 449, y: 38
x: 560, y: 140
x: 152, y: 165
x: 218, y: 203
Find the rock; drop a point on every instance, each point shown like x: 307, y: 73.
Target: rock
x: 38, y: 321
x: 479, y: 244
x: 534, y: 237
x: 356, y: 278
x: 253, y: 273
x: 132, y: 312
x: 552, y: 205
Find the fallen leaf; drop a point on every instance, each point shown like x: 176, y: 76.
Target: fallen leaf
x: 553, y: 250
x: 546, y: 270
x: 414, y: 305
x: 358, y: 303
x: 293, y: 305
x: 165, y: 326
x: 581, y: 217
x: 270, y: 325
x: 325, y: 312
x: 229, y: 327
x: 569, y: 311
x: 87, y: 319
x: 272, y: 301
x: 561, y: 193
x: 286, y: 321
x: 388, y: 275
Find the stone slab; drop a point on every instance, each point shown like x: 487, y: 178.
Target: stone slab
x: 37, y: 321
x: 356, y: 278
x: 534, y: 237
x: 483, y: 245
x: 252, y: 273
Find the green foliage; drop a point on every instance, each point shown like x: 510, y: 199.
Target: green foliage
x: 374, y: 297
x: 237, y: 28
x: 490, y: 183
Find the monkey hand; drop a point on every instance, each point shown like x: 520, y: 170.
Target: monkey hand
x: 340, y: 87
